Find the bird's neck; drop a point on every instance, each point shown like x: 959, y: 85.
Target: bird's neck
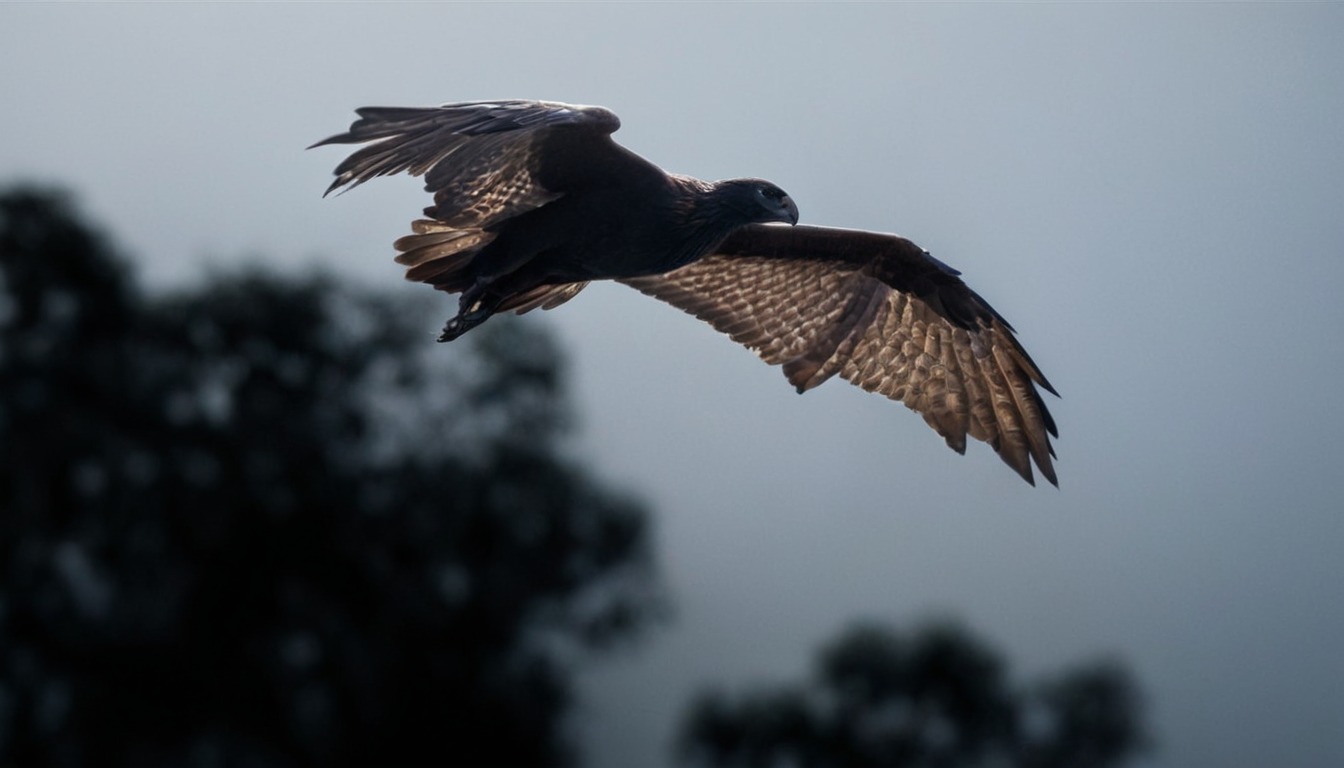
x: 710, y: 214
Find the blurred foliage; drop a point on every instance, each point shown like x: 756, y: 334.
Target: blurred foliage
x: 938, y: 698
x: 264, y: 522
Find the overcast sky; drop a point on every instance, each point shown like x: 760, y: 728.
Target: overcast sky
x: 1153, y: 194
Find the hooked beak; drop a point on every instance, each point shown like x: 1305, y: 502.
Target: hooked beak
x: 791, y: 209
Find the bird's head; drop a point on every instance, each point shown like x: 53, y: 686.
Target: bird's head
x: 758, y: 201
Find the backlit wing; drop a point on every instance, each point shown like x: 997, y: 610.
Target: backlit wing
x: 880, y: 312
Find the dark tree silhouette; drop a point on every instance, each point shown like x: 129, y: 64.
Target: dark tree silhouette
x: 936, y: 699
x: 258, y: 523
x: 1089, y: 716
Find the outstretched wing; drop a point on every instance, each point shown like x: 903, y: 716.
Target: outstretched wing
x: 480, y: 159
x: 885, y: 315
x: 485, y: 163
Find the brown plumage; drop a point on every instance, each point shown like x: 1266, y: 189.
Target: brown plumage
x: 533, y: 199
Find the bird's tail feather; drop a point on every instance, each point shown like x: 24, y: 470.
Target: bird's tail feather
x: 440, y: 254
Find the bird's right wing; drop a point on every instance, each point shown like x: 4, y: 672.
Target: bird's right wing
x: 484, y: 162
x: 479, y: 159
x: 882, y: 313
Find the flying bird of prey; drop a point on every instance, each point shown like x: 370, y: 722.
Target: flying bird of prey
x: 534, y: 199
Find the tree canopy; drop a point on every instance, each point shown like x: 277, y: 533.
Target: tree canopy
x: 937, y: 697
x: 253, y: 522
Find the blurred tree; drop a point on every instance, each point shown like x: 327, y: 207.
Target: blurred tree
x: 936, y: 699
x: 259, y: 523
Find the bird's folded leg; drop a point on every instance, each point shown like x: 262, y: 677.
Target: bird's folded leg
x: 473, y: 309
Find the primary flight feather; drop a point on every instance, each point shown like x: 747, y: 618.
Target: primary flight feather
x: 534, y: 199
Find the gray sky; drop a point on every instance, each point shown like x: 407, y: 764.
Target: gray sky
x: 1153, y: 194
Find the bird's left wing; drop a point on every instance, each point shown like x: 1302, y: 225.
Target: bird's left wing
x: 882, y: 313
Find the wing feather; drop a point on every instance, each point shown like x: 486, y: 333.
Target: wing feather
x: 880, y: 312
x: 544, y: 297
x: 484, y: 162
